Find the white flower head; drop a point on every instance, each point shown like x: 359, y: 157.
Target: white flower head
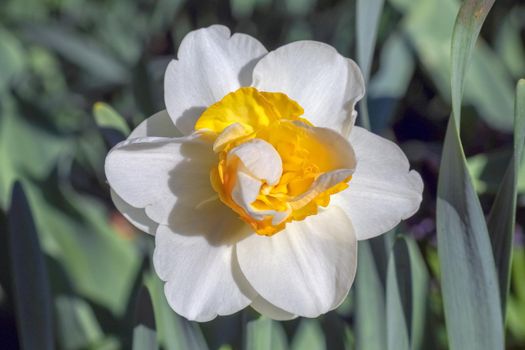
x: 261, y: 202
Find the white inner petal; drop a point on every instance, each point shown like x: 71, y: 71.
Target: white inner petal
x: 259, y: 163
x: 260, y: 159
x: 323, y: 183
x: 231, y: 133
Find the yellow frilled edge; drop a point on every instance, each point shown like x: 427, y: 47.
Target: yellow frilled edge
x: 275, y: 118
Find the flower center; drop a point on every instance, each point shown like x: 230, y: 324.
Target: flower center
x: 274, y: 166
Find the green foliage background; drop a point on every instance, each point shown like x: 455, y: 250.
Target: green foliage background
x: 75, y: 275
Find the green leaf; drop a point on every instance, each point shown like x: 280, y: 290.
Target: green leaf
x: 390, y: 83
x: 396, y: 69
x: 487, y: 169
x: 516, y: 300
x: 406, y: 290
x: 144, y: 330
x: 79, y: 50
x: 488, y: 87
x: 309, y: 336
x: 367, y: 18
x: 21, y: 160
x: 265, y: 334
x: 471, y: 16
x: 12, y: 57
x: 107, y: 117
x: 242, y: 8
x: 76, y: 231
x: 31, y: 290
x: 508, y: 42
x: 299, y: 7
x: 77, y: 325
x: 173, y: 331
x: 501, y: 220
x: 163, y: 13
x: 469, y: 281
x: 368, y: 13
x: 370, y: 301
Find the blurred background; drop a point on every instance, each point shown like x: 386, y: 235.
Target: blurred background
x: 70, y: 68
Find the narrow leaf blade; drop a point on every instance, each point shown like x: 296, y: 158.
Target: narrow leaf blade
x: 77, y: 324
x: 265, y: 334
x: 468, y: 24
x: 501, y: 221
x: 107, y: 118
x: 144, y: 330
x: 469, y: 282
x: 309, y: 335
x: 407, y: 285
x: 30, y: 278
x: 370, y: 301
x: 78, y: 49
x: 174, y: 332
x: 367, y: 19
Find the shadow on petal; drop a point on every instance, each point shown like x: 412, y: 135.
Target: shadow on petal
x: 198, y: 210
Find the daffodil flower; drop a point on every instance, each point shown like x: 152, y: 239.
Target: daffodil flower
x: 255, y: 181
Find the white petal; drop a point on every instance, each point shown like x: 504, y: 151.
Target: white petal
x: 210, y: 64
x: 245, y: 192
x: 320, y: 185
x: 202, y: 277
x: 260, y: 163
x: 159, y: 124
x: 229, y: 134
x: 326, y: 84
x: 263, y: 307
x: 260, y: 159
x: 382, y: 191
x: 344, y: 163
x: 137, y: 216
x: 340, y: 146
x: 306, y: 269
x: 162, y: 175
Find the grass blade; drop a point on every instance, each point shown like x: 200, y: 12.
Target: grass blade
x: 31, y: 288
x: 502, y: 216
x: 407, y: 284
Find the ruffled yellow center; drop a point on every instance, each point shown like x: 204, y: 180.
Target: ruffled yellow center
x: 251, y: 122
